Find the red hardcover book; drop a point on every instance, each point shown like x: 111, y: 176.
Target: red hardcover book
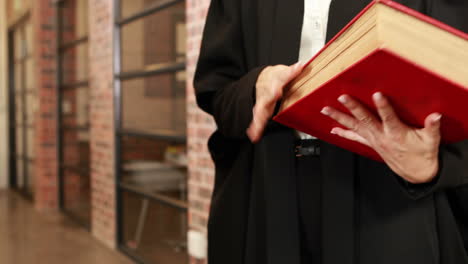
x: 418, y: 63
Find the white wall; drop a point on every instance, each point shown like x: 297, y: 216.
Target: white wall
x: 3, y: 97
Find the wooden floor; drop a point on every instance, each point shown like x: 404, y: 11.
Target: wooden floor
x: 28, y: 237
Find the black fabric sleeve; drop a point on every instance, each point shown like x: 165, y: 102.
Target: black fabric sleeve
x: 453, y: 172
x: 224, y: 86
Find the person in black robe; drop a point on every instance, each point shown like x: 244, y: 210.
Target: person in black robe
x: 370, y: 215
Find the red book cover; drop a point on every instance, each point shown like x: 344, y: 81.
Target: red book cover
x: 413, y: 91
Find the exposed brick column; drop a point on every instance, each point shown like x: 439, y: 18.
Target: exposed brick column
x: 200, y: 126
x: 102, y: 121
x: 46, y: 178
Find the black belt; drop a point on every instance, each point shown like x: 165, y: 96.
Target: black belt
x: 307, y: 147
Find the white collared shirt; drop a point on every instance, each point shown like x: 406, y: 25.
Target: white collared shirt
x: 314, y: 30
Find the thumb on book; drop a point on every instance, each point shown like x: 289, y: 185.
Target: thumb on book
x: 432, y: 124
x: 295, y: 70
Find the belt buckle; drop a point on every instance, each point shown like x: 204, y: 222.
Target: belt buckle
x: 298, y: 151
x: 307, y: 151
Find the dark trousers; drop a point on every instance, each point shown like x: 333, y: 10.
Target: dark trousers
x: 308, y: 172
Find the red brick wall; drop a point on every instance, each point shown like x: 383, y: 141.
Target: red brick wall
x: 200, y: 126
x: 46, y: 181
x: 102, y: 121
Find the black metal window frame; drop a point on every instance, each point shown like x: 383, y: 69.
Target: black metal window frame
x: 60, y: 88
x: 13, y: 125
x: 120, y: 132
x: 12, y: 112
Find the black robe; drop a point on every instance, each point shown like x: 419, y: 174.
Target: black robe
x: 370, y: 216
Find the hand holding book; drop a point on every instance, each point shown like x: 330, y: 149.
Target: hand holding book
x: 420, y: 64
x: 268, y: 91
x: 410, y: 152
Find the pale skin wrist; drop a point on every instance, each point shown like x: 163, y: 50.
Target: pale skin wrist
x: 422, y: 173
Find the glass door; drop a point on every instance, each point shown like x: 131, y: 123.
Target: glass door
x: 24, y: 106
x: 151, y: 130
x: 74, y: 95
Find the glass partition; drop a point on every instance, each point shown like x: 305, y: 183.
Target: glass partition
x: 151, y: 129
x: 25, y: 102
x: 74, y: 96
